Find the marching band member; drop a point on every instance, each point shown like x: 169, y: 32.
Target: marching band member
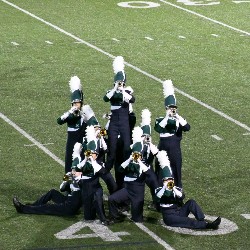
x: 91, y: 189
x: 170, y: 129
x: 172, y: 214
x: 135, y: 172
x: 119, y: 98
x: 63, y: 205
x: 74, y: 120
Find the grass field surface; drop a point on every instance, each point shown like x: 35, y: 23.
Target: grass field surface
x: 202, y: 46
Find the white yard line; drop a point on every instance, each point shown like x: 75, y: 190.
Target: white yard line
x: 204, y: 17
x: 154, y: 236
x: 29, y: 137
x: 137, y: 69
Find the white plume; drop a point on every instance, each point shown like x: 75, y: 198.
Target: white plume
x: 163, y: 159
x: 145, y: 117
x: 168, y: 88
x: 87, y: 112
x: 75, y: 83
x: 137, y: 134
x: 77, y: 150
x: 90, y: 133
x: 118, y: 64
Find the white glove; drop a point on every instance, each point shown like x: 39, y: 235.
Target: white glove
x: 143, y: 167
x: 82, y: 163
x: 177, y: 192
x: 103, y: 143
x: 63, y: 184
x: 65, y: 115
x: 182, y: 121
x: 125, y: 163
x: 95, y: 165
x: 164, y: 122
x: 126, y: 96
x: 153, y: 148
x: 161, y: 192
x: 73, y: 109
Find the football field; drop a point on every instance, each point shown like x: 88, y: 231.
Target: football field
x: 202, y: 46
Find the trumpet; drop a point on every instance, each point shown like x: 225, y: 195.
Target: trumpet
x: 87, y: 153
x: 136, y: 156
x: 67, y: 177
x: 76, y: 112
x: 103, y: 132
x: 173, y: 112
x: 170, y: 184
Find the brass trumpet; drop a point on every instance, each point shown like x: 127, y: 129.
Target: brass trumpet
x: 136, y: 156
x: 67, y: 177
x: 87, y: 153
x: 170, y: 184
x: 173, y: 112
x: 76, y: 112
x: 103, y: 132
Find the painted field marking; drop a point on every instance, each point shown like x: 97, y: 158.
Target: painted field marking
x: 204, y: 17
x: 149, y: 38
x: 215, y: 35
x: 138, y: 69
x: 14, y: 43
x: 98, y: 229
x: 216, y: 137
x: 116, y: 40
x: 246, y: 134
x: 241, y: 1
x: 44, y: 144
x: 247, y: 216
x: 29, y: 137
x: 48, y: 42
x: 182, y: 37
x: 154, y: 236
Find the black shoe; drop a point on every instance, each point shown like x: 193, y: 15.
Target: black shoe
x: 105, y: 222
x: 114, y: 220
x: 18, y: 205
x: 152, y: 206
x: 214, y: 225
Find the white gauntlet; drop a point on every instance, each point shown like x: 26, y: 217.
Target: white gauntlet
x: 182, y: 121
x: 153, y: 149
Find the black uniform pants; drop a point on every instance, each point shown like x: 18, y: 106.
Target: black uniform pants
x: 172, y: 146
x: 134, y: 192
x: 118, y: 126
x: 178, y: 217
x: 92, y: 197
x: 64, y: 206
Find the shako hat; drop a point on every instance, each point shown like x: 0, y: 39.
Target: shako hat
x: 89, y: 116
x: 76, y: 89
x: 145, y: 122
x: 91, y: 139
x: 169, y: 95
x: 166, y: 172
x: 118, y: 67
x: 137, y: 145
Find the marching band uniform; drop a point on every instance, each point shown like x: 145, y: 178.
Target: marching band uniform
x: 63, y: 205
x: 170, y: 129
x: 149, y: 149
x: 172, y: 214
x: 119, y: 98
x: 134, y: 182
x: 75, y: 122
x: 101, y: 147
x: 91, y: 189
